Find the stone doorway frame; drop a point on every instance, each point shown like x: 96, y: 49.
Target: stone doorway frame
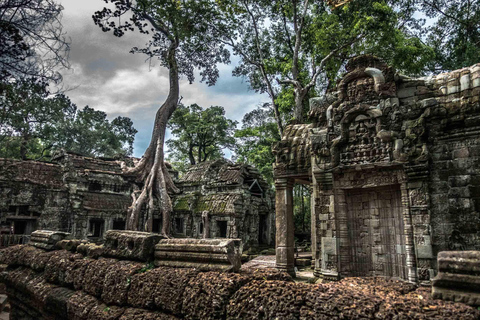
x: 284, y: 222
x: 329, y: 215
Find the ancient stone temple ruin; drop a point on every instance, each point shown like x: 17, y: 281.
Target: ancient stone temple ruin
x: 73, y: 193
x: 88, y: 196
x: 394, y: 167
x: 220, y: 199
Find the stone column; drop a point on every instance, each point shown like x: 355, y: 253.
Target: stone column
x: 206, y: 225
x: 284, y: 225
x: 313, y: 220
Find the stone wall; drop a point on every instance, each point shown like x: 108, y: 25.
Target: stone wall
x: 61, y: 284
x: 394, y: 170
x: 88, y: 196
x: 33, y: 193
x: 221, y: 199
x: 81, y: 195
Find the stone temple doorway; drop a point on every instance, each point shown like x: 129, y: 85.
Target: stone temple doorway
x: 376, y: 232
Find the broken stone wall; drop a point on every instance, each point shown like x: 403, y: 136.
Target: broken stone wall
x: 61, y: 284
x: 81, y: 195
x: 32, y: 195
x: 455, y: 164
x: 394, y: 170
x: 220, y: 199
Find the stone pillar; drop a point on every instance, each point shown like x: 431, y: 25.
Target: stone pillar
x: 313, y: 221
x: 409, y: 238
x: 206, y: 225
x: 284, y: 225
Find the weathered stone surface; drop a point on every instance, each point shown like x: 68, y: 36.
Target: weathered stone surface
x: 79, y: 305
x: 208, y: 294
x: 160, y: 288
x: 203, y: 254
x: 132, y: 245
x: 170, y: 294
x: 75, y: 274
x: 459, y: 262
x: 117, y: 281
x: 270, y: 300
x: 94, y: 276
x: 104, y: 312
x: 57, y: 266
x: 56, y: 302
x: 139, y: 314
x: 458, y: 277
x: 392, y: 162
x: 47, y: 239
x: 91, y: 250
x: 69, y: 245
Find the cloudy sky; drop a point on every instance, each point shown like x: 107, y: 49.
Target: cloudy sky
x: 105, y: 76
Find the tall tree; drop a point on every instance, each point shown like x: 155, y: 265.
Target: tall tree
x: 27, y: 114
x: 33, y: 123
x: 91, y: 133
x: 200, y: 135
x: 255, y: 139
x: 454, y: 32
x: 182, y: 39
x: 32, y: 41
x: 288, y: 46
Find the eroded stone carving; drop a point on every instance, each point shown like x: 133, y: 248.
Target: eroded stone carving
x: 387, y: 136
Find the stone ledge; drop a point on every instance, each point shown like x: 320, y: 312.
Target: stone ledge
x: 130, y: 245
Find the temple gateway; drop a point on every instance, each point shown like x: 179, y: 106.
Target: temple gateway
x: 393, y: 163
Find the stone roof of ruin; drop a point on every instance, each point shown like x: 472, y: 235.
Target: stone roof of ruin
x: 94, y: 164
x: 297, y: 133
x: 218, y: 203
x: 222, y: 172
x: 95, y: 201
x: 294, y: 148
x: 35, y: 172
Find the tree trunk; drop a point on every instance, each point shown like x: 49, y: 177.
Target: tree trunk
x: 151, y: 169
x: 190, y: 155
x: 298, y: 111
x: 23, y: 146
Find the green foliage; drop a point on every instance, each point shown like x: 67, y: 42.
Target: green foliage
x: 255, y: 139
x: 199, y: 135
x: 147, y: 267
x: 33, y: 123
x: 29, y: 116
x: 301, y: 208
x: 376, y: 28
x: 455, y: 34
x: 287, y: 50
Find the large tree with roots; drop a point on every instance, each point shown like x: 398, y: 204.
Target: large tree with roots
x: 183, y: 39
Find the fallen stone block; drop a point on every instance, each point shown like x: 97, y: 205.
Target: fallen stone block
x: 91, y: 250
x: 46, y: 239
x: 462, y: 262
x: 69, y: 245
x: 105, y: 312
x: 139, y: 314
x: 458, y: 277
x: 203, y: 254
x: 131, y: 245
